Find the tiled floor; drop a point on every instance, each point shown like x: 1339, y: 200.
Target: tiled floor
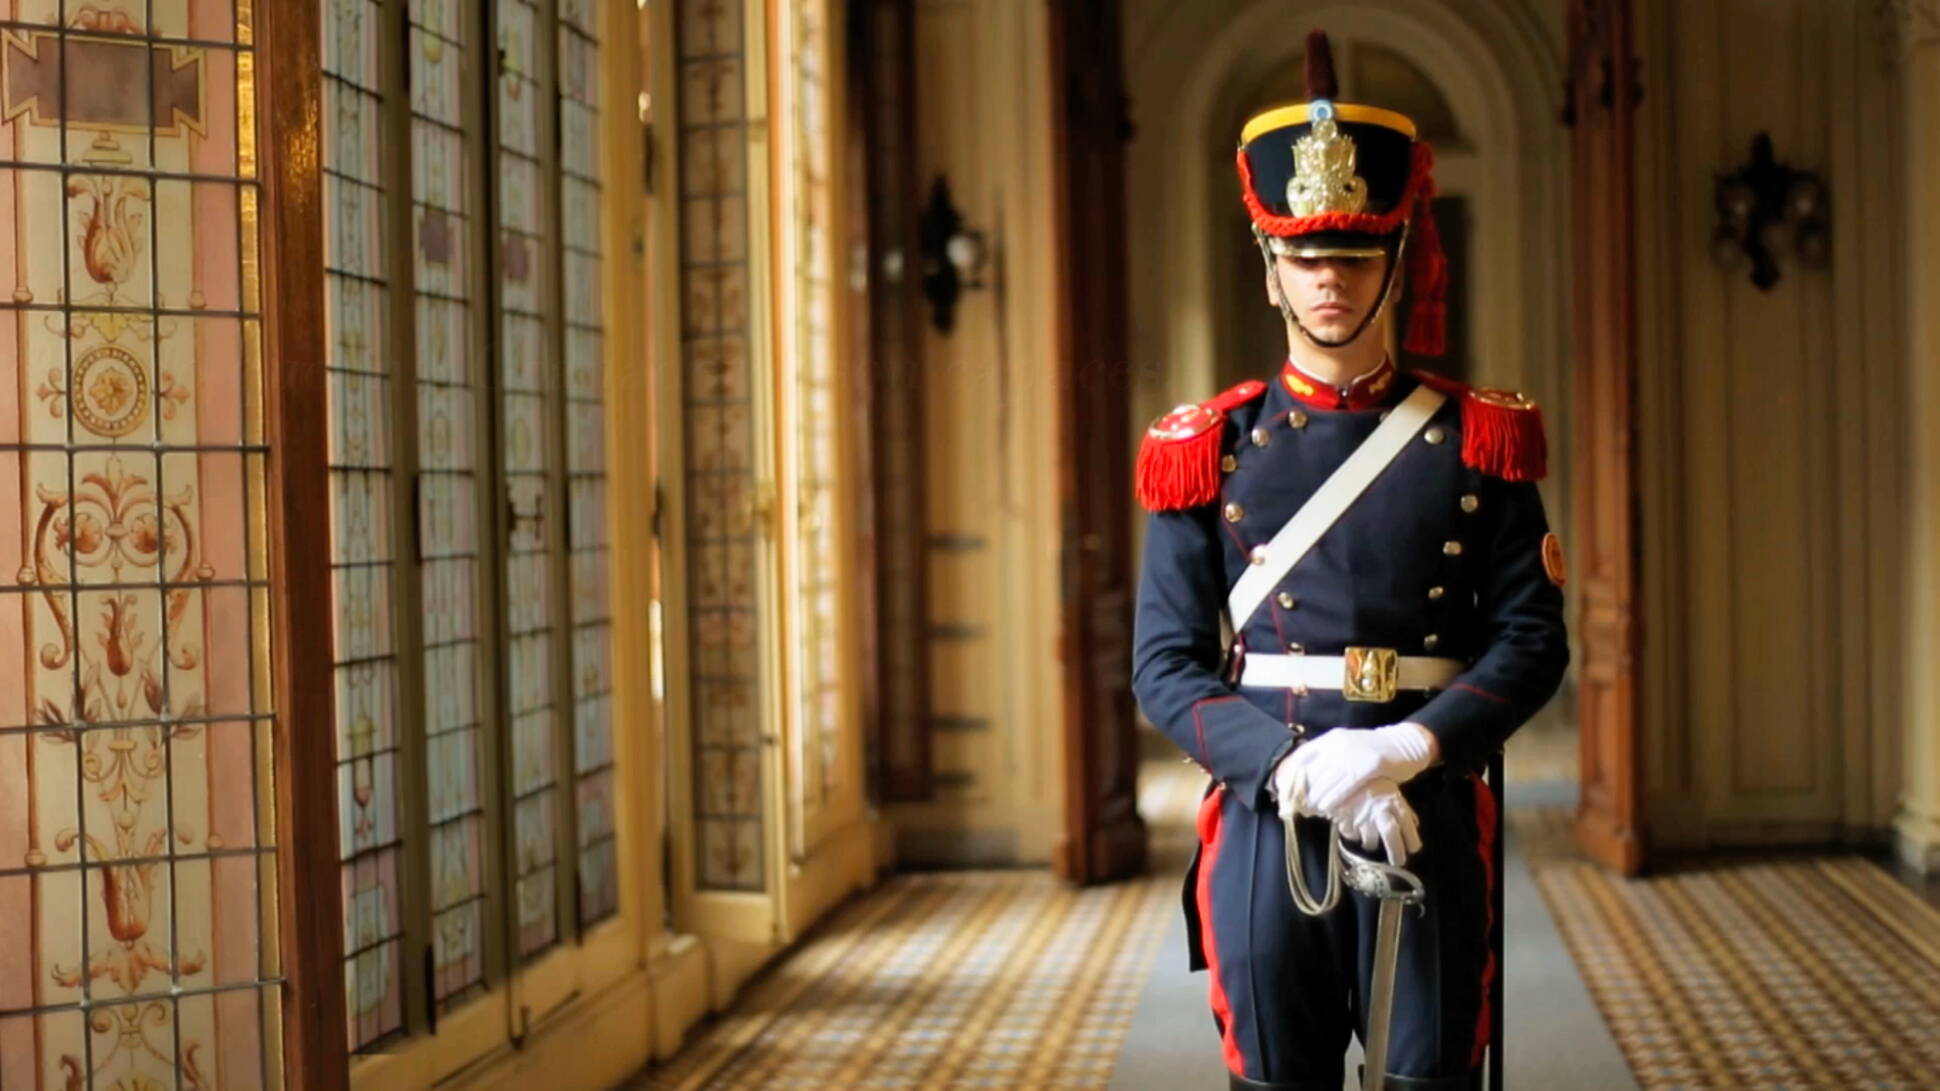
x: 995, y: 979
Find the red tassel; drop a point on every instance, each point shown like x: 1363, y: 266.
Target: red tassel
x: 1427, y: 329
x: 1178, y: 473
x: 1427, y: 269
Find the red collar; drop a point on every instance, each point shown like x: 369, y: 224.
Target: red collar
x: 1370, y: 391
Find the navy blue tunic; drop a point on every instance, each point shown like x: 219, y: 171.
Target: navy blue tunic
x: 1406, y: 563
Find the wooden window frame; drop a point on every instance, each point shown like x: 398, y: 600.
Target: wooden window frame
x: 310, y: 950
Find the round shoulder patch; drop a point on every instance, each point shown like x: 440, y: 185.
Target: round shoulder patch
x: 1502, y: 399
x: 1553, y: 559
x: 1185, y: 422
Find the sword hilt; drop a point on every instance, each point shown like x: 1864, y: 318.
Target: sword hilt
x: 1379, y: 879
x: 1349, y: 869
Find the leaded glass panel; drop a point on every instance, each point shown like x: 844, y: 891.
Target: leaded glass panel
x: 818, y: 694
x: 724, y: 612
x: 136, y: 819
x: 450, y: 568
x: 528, y: 404
x: 581, y: 183
x: 363, y: 477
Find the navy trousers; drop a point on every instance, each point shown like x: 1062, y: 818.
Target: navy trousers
x: 1287, y: 989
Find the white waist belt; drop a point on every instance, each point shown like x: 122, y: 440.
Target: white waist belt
x: 1331, y: 672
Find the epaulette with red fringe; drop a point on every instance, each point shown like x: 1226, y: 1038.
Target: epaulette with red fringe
x: 1178, y: 462
x: 1502, y: 430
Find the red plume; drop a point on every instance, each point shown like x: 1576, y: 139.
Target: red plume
x: 1320, y: 67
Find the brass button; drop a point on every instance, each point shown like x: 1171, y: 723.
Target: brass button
x: 1260, y: 438
x: 1434, y: 435
x: 1234, y: 513
x: 1300, y: 691
x: 1430, y: 642
x: 1435, y: 593
x: 1295, y: 648
x: 1453, y: 549
x: 1299, y: 729
x: 1258, y: 555
x: 1297, y: 419
x: 1229, y: 464
x: 1470, y: 502
x: 1287, y: 601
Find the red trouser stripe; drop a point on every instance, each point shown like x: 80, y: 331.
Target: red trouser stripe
x: 1485, y: 841
x: 1210, y: 828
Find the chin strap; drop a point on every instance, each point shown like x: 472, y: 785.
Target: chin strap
x: 1388, y: 281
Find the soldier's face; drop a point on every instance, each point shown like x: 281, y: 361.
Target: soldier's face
x: 1330, y: 296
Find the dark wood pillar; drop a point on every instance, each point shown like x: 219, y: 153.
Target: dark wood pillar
x: 1104, y: 837
x: 1603, y: 94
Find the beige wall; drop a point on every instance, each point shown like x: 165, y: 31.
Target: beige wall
x: 1768, y: 427
x: 984, y: 120
x: 1917, y: 54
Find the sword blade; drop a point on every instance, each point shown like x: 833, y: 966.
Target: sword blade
x: 1380, y: 998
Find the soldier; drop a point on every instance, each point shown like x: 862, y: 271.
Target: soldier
x: 1374, y: 543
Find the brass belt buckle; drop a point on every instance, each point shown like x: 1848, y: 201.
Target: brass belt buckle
x: 1371, y: 674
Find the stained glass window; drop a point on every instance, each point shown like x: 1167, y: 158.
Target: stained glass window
x: 357, y: 290
x: 724, y: 613
x: 528, y: 394
x: 580, y: 182
x: 136, y: 818
x: 444, y: 234
x: 490, y: 369
x: 818, y: 694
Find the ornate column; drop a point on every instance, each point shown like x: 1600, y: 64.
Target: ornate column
x: 1916, y: 26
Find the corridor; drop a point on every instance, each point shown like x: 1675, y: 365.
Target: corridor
x: 1765, y: 971
x: 602, y: 545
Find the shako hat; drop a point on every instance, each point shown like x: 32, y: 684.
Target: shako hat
x: 1324, y: 178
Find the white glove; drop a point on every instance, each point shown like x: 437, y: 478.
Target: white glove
x: 1378, y: 817
x: 1320, y: 776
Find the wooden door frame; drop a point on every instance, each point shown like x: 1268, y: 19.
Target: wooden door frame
x: 289, y: 92
x: 1103, y: 836
x: 1603, y: 93
x: 887, y: 384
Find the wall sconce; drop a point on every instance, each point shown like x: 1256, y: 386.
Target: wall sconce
x: 953, y: 256
x: 1762, y: 207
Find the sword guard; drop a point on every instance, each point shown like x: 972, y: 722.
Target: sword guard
x: 1378, y: 879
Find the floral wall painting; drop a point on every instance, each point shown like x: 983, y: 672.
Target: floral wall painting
x: 135, y: 816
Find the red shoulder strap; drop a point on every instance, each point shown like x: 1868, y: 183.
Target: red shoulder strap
x: 1502, y: 430
x: 1178, y: 461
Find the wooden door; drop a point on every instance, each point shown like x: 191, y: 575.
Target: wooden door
x: 1602, y: 99
x: 1103, y: 836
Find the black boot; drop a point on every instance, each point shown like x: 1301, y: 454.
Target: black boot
x: 1432, y: 1083
x: 1241, y: 1083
